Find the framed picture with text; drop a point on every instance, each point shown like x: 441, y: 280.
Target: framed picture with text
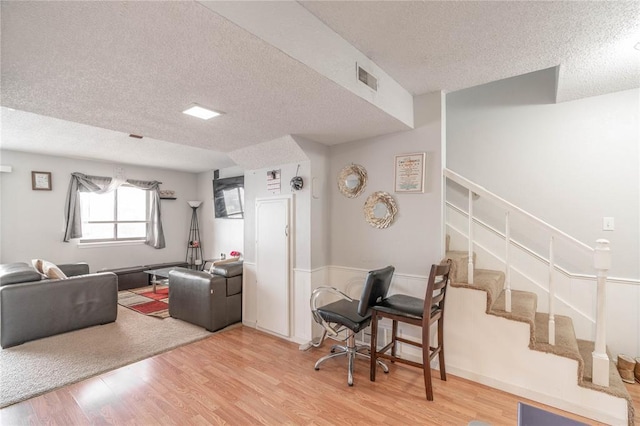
x: 409, y: 172
x: 41, y: 181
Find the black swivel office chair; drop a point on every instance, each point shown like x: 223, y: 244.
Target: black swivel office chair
x: 349, y: 316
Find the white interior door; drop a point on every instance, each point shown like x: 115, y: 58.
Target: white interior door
x: 272, y: 264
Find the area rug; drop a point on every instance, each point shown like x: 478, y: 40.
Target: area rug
x: 42, y: 365
x: 145, y: 301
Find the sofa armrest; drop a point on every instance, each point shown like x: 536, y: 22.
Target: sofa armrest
x: 16, y: 273
x: 74, y: 269
x: 229, y: 269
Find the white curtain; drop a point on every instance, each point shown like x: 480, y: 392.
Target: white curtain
x: 102, y: 185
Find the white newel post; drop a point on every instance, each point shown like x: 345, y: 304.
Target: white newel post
x: 602, y: 263
x: 552, y: 297
x: 507, y: 271
x: 470, y: 263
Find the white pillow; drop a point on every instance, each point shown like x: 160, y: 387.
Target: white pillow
x: 37, y: 265
x: 52, y: 271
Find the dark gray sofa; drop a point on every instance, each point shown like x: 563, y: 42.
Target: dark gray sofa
x: 212, y: 301
x: 32, y: 307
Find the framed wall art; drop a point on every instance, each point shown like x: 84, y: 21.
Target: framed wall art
x: 41, y: 181
x: 409, y: 172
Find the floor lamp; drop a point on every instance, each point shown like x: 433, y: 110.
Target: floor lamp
x: 194, y: 247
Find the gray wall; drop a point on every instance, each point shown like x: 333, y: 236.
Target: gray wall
x: 32, y: 222
x: 413, y: 242
x: 569, y: 164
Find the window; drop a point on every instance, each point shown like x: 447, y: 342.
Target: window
x: 120, y: 215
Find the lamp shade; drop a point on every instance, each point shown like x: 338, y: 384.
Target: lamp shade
x: 194, y: 204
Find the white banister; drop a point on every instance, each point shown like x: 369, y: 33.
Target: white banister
x: 552, y: 297
x: 507, y: 271
x: 484, y: 193
x: 470, y: 263
x: 602, y: 263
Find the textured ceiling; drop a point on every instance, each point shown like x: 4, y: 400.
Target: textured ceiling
x: 283, y: 150
x: 131, y: 67
x: 28, y: 132
x: 428, y: 46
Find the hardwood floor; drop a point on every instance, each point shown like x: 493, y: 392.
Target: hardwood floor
x: 243, y: 376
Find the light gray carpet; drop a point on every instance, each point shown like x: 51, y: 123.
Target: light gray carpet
x: 39, y: 366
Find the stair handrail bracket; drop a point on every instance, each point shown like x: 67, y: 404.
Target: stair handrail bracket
x: 601, y: 263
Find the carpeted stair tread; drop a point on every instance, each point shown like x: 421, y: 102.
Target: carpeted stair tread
x: 616, y: 385
x: 566, y: 342
x: 486, y: 280
x: 459, y: 267
x: 523, y: 306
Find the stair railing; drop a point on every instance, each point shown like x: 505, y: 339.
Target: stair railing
x: 602, y: 263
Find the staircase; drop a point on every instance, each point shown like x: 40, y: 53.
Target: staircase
x: 611, y: 404
x: 498, y: 336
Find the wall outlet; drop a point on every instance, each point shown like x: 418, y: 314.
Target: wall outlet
x: 607, y: 224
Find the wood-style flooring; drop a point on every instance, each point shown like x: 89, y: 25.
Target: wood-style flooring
x: 243, y: 376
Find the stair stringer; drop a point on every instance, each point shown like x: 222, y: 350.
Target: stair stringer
x: 495, y: 351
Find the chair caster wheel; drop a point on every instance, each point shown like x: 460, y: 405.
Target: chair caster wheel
x: 350, y: 384
x: 316, y: 368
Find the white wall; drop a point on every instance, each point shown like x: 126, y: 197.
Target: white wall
x: 218, y: 235
x: 570, y: 164
x: 32, y: 224
x: 412, y: 243
x: 318, y: 183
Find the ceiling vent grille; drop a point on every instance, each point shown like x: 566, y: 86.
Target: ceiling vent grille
x: 367, y: 78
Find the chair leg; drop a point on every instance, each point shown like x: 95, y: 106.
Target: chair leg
x: 394, y: 335
x: 374, y: 347
x: 335, y: 348
x: 351, y: 355
x: 426, y: 365
x: 326, y: 357
x: 443, y: 371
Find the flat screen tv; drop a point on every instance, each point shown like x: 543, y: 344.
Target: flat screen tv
x: 228, y: 197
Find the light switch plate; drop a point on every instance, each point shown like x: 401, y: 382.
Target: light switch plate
x: 607, y: 224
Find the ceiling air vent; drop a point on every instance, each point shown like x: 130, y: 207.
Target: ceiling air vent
x: 367, y: 78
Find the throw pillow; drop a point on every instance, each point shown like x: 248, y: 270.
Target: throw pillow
x: 37, y: 265
x: 52, y: 271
